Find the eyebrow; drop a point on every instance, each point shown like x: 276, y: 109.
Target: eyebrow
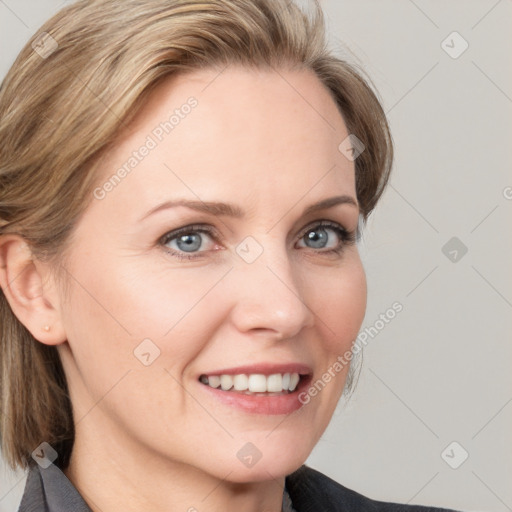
x: 232, y: 210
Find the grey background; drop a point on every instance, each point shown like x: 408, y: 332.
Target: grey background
x: 440, y: 371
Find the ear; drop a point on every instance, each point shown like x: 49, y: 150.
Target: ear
x: 30, y: 290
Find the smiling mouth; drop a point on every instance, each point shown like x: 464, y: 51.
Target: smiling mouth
x: 255, y: 384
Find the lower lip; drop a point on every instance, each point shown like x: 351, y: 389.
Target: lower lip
x: 261, y: 404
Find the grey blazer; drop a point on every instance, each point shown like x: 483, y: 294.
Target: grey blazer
x: 306, y: 490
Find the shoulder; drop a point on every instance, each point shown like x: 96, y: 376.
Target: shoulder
x: 311, y: 490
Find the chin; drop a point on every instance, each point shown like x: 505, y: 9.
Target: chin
x: 266, y: 470
x: 264, y: 459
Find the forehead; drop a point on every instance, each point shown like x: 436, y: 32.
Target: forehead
x: 232, y: 132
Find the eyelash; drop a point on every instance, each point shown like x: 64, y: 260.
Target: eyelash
x: 346, y: 237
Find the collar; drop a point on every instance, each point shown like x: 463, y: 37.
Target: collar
x: 49, y: 490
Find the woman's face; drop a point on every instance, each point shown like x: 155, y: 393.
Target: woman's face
x: 260, y: 284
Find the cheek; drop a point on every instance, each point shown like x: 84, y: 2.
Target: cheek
x: 339, y: 301
x: 116, y: 313
x: 119, y: 303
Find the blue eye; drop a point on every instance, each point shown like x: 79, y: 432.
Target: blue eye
x: 188, y: 242
x: 318, y: 237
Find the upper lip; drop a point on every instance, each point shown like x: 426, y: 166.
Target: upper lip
x: 264, y: 368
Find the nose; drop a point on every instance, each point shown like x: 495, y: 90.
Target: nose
x: 270, y: 298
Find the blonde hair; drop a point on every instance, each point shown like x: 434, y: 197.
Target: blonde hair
x: 73, y: 87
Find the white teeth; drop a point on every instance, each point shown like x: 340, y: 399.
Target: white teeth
x: 257, y: 383
x: 275, y: 383
x: 214, y: 381
x: 226, y: 382
x: 241, y: 382
x: 254, y: 383
x: 294, y: 380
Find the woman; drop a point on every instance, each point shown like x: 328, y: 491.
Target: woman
x: 182, y: 187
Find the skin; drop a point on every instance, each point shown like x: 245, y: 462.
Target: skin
x: 150, y: 437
